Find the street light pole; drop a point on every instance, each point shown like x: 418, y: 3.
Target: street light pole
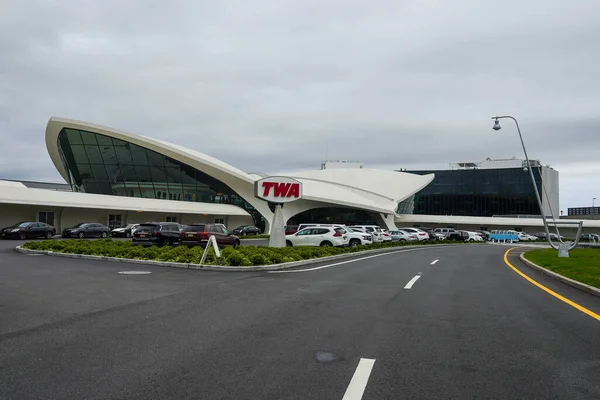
x: 593, y: 202
x: 563, y: 248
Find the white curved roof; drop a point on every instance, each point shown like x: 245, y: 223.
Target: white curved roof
x: 368, y: 189
x: 378, y: 189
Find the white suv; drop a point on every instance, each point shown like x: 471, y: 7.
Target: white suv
x: 373, y: 230
x: 318, y: 236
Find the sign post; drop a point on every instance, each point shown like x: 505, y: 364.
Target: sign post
x: 211, y: 241
x: 278, y: 190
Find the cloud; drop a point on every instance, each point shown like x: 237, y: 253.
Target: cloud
x: 271, y: 86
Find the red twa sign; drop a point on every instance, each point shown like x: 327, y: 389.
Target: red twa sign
x: 278, y: 189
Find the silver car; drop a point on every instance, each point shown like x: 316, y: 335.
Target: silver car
x: 402, y: 236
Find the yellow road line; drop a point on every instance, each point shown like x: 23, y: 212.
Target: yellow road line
x: 545, y: 289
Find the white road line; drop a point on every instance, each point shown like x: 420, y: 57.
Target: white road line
x: 358, y: 384
x: 434, y: 262
x: 342, y: 262
x: 412, y: 281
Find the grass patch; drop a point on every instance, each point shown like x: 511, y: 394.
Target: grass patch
x: 583, y: 265
x: 242, y: 256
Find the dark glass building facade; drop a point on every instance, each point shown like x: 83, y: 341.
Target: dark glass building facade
x: 103, y: 165
x: 583, y: 211
x: 334, y: 215
x: 476, y: 192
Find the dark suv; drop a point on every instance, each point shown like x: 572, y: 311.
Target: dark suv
x: 159, y: 233
x: 198, y: 234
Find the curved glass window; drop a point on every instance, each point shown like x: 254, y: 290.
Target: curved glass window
x: 103, y: 165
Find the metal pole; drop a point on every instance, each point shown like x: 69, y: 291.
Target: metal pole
x: 537, y: 193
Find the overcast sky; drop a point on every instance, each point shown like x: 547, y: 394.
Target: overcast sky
x: 270, y: 85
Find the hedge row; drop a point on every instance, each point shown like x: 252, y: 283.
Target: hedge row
x: 254, y: 237
x: 242, y: 256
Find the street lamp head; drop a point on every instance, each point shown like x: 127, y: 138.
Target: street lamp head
x: 497, y: 126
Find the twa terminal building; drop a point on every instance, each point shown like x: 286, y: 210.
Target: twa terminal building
x: 116, y: 178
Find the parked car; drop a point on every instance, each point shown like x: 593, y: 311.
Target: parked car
x: 473, y: 237
x: 289, y: 229
x: 156, y: 233
x: 403, y: 236
x: 125, y: 231
x: 28, y: 230
x: 245, y: 230
x: 318, y: 236
x: 526, y: 237
x: 374, y: 230
x: 504, y: 236
x: 444, y: 231
x: 432, y: 234
x: 421, y: 234
x: 386, y: 235
x: 357, y: 237
x: 458, y: 235
x: 199, y: 234
x: 592, y: 237
x: 86, y: 230
x: 484, y: 234
x: 553, y: 236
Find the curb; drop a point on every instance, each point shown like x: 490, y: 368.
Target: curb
x: 571, y: 282
x: 207, y: 267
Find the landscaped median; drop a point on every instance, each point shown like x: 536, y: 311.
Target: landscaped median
x: 254, y: 237
x: 582, y: 265
x: 244, y: 256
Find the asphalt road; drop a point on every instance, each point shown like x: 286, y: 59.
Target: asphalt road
x: 468, y: 327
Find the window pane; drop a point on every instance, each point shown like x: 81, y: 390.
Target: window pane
x: 139, y: 155
x: 73, y: 136
x: 173, y: 175
x: 93, y: 154
x: 123, y: 155
x: 88, y: 138
x: 128, y: 174
x: 170, y: 163
x: 147, y: 190
x: 119, y: 189
x: 114, y: 173
x: 143, y: 174
x: 104, y: 140
x: 100, y: 173
x: 108, y: 154
x: 79, y: 154
x: 85, y: 172
x: 133, y: 190
x: 89, y: 186
x: 159, y: 177
x: 105, y: 188
x: 118, y: 142
x: 155, y: 159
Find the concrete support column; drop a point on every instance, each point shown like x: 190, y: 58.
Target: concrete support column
x: 277, y: 238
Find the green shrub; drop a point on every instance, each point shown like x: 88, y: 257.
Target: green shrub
x: 259, y: 259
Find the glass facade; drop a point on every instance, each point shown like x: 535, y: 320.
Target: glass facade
x: 583, y: 211
x: 475, y: 192
x: 103, y: 165
x: 333, y: 215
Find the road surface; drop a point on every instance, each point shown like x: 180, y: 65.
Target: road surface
x: 450, y: 322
